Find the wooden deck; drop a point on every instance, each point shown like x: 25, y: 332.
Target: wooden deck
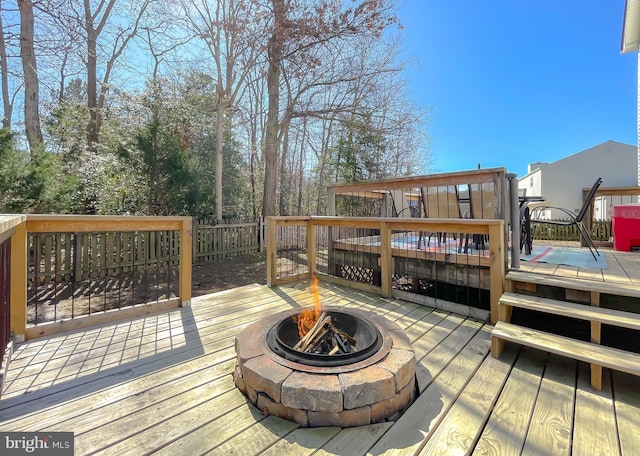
x: 622, y: 267
x: 163, y: 384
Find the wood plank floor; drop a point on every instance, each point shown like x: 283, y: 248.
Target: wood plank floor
x: 622, y: 267
x: 162, y: 384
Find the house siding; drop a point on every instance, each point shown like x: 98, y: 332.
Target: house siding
x: 561, y: 182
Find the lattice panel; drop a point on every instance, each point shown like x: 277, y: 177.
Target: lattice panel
x: 357, y: 274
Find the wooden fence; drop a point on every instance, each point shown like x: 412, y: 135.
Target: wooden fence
x: 80, y: 256
x: 601, y: 231
x: 63, y: 256
x: 217, y: 241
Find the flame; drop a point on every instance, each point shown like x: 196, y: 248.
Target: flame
x: 307, y: 318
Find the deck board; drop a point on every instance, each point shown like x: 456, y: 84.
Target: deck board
x: 302, y: 441
x: 622, y: 268
x: 627, y: 405
x: 254, y: 439
x: 594, y: 412
x: 615, y: 272
x: 354, y: 440
x: 506, y: 430
x: 551, y: 423
x: 419, y: 423
x: 163, y: 383
x: 467, y: 416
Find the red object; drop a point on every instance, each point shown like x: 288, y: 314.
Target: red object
x: 625, y: 226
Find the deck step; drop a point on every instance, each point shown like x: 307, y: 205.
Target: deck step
x: 612, y: 358
x: 568, y: 309
x: 574, y: 284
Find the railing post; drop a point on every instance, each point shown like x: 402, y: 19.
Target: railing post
x: 331, y: 202
x: 386, y: 259
x: 311, y: 247
x: 18, y: 290
x: 195, y: 227
x: 272, y: 247
x: 496, y: 267
x: 331, y: 231
x: 186, y: 262
x: 516, y: 230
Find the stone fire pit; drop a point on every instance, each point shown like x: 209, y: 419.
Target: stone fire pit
x: 377, y: 388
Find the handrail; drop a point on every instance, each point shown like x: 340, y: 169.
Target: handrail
x: 484, y: 175
x: 616, y: 191
x: 23, y: 225
x: 492, y: 227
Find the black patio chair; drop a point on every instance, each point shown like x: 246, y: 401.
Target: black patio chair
x: 574, y: 219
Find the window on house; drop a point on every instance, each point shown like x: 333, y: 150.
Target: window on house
x: 531, y: 182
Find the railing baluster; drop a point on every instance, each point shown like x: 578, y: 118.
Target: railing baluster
x: 62, y: 270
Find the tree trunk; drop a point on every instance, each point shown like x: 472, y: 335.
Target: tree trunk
x: 30, y: 69
x: 285, y: 178
x: 271, y: 142
x: 92, y: 85
x: 7, y: 113
x: 322, y: 160
x: 252, y: 172
x: 301, y: 167
x: 94, y: 27
x: 219, y: 148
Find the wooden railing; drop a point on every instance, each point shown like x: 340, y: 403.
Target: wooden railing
x: 632, y: 191
x: 487, y: 193
x: 432, y: 196
x: 297, y: 257
x: 5, y: 310
x: 34, y: 225
x: 75, y: 256
x: 11, y: 227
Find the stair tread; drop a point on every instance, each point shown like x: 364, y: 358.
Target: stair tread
x: 610, y: 357
x: 574, y: 283
x: 569, y: 309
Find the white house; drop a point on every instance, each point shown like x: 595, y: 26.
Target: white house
x: 561, y: 182
x: 631, y: 43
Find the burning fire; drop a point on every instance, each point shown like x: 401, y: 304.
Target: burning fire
x: 307, y: 318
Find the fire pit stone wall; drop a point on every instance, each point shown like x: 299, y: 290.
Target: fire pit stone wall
x: 377, y: 389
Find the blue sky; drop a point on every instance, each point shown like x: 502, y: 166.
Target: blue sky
x: 510, y: 82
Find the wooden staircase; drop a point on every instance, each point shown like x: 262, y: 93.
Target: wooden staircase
x: 597, y: 355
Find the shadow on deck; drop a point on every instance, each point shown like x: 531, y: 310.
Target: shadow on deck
x: 163, y: 383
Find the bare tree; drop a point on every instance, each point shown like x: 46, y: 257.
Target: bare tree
x: 95, y: 19
x: 297, y: 33
x: 272, y: 128
x: 31, y: 82
x: 252, y: 119
x: 60, y: 48
x: 230, y: 29
x: 7, y: 97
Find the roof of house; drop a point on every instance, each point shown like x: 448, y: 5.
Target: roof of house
x: 630, y: 27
